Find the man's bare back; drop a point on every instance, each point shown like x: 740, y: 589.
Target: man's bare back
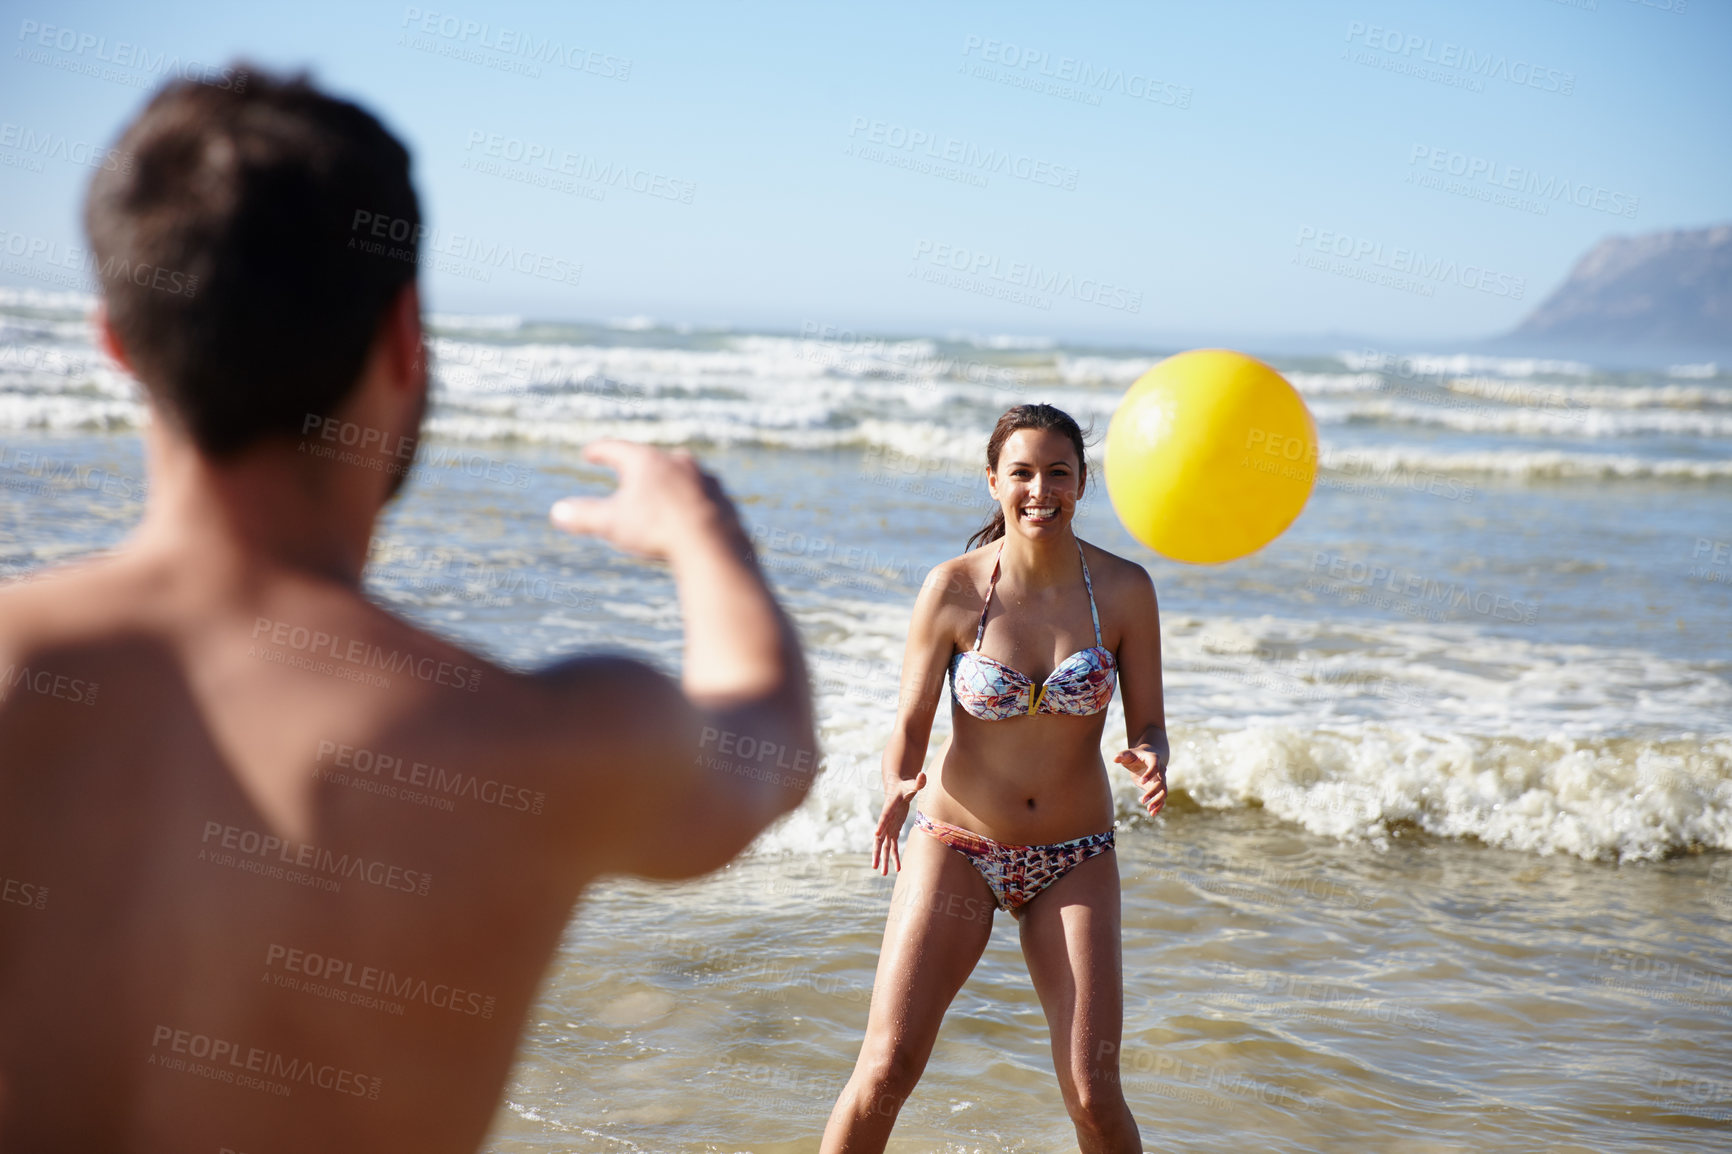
x: 282, y: 872
x: 295, y: 869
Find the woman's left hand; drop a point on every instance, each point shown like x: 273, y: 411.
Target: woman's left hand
x: 1150, y: 768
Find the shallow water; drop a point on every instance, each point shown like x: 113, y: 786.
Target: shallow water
x: 1282, y: 990
x: 1447, y: 862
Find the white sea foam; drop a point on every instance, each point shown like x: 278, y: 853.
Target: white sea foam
x: 1620, y: 799
x: 1575, y: 398
x: 46, y: 299
x: 761, y: 381
x: 71, y: 330
x: 1353, y: 730
x: 912, y: 397
x: 1003, y: 341
x: 1648, y: 396
x: 1523, y: 465
x: 1117, y: 372
x: 1459, y: 364
x: 62, y: 414
x: 1333, y: 384
x: 1444, y: 678
x: 95, y: 402
x: 474, y: 322
x: 1566, y: 421
x: 851, y: 354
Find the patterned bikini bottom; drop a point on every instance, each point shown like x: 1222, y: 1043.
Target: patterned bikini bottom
x: 1016, y: 873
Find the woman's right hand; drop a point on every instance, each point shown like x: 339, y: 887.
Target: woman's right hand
x: 897, y: 798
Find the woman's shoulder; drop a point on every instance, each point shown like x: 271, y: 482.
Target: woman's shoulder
x: 1113, y: 574
x: 963, y: 575
x: 1111, y: 564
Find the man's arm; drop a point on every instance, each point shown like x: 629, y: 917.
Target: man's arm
x: 690, y: 774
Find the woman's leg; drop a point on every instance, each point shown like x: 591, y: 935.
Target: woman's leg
x: 1070, y: 936
x: 939, y: 923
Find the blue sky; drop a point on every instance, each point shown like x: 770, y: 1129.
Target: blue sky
x: 1415, y: 172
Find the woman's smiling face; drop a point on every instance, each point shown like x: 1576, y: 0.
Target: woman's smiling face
x: 1037, y: 482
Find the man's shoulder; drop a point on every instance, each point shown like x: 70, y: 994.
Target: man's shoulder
x: 65, y: 603
x: 59, y: 632
x: 597, y: 695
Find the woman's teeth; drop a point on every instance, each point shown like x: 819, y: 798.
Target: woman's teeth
x: 1040, y: 514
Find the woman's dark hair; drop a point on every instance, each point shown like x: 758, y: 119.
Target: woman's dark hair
x: 1045, y: 418
x: 248, y: 247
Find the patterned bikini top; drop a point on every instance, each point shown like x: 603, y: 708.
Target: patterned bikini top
x: 992, y: 691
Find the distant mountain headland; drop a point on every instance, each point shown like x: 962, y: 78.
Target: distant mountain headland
x: 1662, y: 291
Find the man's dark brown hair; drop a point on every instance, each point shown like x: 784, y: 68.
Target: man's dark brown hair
x: 249, y: 252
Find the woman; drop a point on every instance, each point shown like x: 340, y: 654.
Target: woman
x: 1020, y: 813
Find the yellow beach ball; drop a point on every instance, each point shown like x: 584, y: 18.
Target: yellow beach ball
x: 1210, y: 455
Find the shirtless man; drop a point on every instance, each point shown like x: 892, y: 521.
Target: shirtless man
x: 220, y: 928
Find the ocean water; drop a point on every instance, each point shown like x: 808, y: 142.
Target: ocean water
x: 1448, y: 864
